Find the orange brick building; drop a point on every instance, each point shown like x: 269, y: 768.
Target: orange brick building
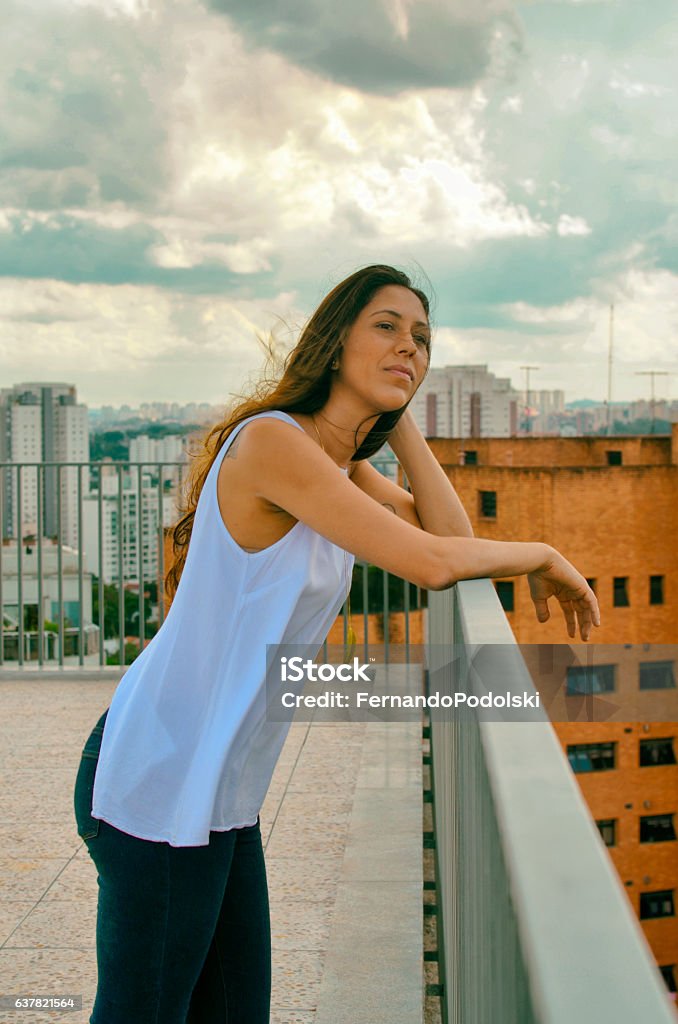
x: 610, y: 505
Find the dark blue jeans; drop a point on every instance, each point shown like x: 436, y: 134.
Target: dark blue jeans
x: 183, y: 933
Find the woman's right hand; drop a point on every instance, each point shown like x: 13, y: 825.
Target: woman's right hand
x: 558, y: 578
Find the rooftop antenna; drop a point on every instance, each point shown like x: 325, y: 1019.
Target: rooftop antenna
x: 652, y: 374
x: 609, y: 373
x: 528, y: 421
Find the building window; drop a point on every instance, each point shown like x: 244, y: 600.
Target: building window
x: 591, y: 757
x: 614, y: 458
x: 488, y: 504
x: 656, y: 590
x: 620, y: 597
x: 590, y: 679
x: 608, y: 830
x: 668, y: 976
x: 471, y: 458
x: 656, y: 828
x: 657, y: 675
x: 656, y: 904
x: 504, y: 590
x: 657, y: 751
x: 592, y: 583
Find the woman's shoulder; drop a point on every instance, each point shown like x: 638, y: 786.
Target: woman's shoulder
x: 269, y: 414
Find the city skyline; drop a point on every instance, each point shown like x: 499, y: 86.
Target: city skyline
x: 179, y: 178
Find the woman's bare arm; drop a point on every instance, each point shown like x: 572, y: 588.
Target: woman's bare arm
x: 435, y: 499
x: 284, y: 467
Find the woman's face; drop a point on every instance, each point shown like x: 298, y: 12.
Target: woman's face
x: 386, y: 353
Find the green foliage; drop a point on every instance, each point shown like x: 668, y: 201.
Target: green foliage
x: 131, y: 652
x: 645, y: 425
x: 112, y: 444
x: 31, y: 620
x: 131, y: 610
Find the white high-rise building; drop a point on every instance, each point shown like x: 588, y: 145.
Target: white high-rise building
x: 157, y: 449
x: 43, y: 422
x: 130, y: 529
x: 465, y: 401
x: 169, y: 449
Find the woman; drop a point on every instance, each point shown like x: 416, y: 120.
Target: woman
x: 282, y: 499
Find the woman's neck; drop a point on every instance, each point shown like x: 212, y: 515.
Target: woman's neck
x: 338, y: 431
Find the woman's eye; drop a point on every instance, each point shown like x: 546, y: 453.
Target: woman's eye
x: 421, y: 339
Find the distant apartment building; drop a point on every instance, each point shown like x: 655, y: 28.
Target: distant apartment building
x: 541, y: 411
x: 466, y: 401
x: 156, y: 449
x: 609, y: 505
x: 43, y: 423
x: 192, y: 412
x: 121, y: 526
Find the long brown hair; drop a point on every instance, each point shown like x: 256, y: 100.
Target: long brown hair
x: 304, y: 387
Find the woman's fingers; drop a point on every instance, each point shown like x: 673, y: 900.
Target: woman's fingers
x: 579, y: 607
x: 568, y: 612
x: 586, y: 613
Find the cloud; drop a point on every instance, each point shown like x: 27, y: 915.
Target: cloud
x: 124, y: 343
x: 258, y: 160
x: 569, y: 342
x: 163, y: 157
x: 84, y: 109
x: 380, y: 47
x: 572, y: 225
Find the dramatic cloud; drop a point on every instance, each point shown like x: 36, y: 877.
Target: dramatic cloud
x: 163, y: 161
x: 381, y: 46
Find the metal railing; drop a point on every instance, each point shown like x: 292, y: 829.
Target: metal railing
x: 534, y: 925
x: 67, y: 562
x: 29, y: 581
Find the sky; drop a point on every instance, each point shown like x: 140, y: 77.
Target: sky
x: 180, y: 178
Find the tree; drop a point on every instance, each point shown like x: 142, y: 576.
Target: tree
x: 131, y: 610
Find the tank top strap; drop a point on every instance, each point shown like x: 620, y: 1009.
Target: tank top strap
x: 275, y: 413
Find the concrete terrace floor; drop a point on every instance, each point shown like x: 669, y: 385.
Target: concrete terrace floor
x: 342, y: 827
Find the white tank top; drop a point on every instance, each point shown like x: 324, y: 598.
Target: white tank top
x: 186, y: 747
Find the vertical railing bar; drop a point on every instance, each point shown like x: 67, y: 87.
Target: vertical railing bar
x: 406, y: 605
x: 366, y: 618
x: 161, y: 549
x: 140, y: 554
x: 41, y: 617
x: 2, y: 555
x: 60, y: 569
x: 344, y: 612
x: 386, y: 614
x: 100, y: 581
x: 81, y: 587
x: 121, y: 594
x: 19, y: 567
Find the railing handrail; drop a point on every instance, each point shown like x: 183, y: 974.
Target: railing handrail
x: 586, y: 956
x: 125, y: 462
x: 130, y: 514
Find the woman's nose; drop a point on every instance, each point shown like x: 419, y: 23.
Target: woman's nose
x: 406, y: 343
